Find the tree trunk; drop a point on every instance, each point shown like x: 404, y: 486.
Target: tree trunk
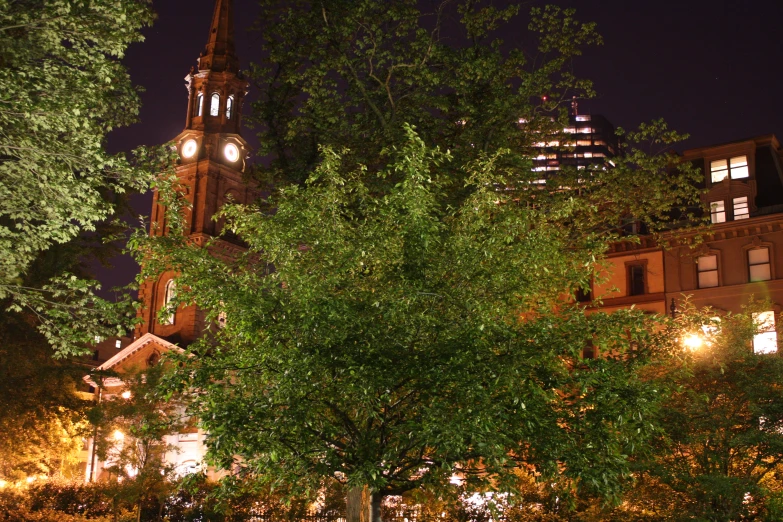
x: 363, y: 505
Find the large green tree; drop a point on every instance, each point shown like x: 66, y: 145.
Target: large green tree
x: 401, y: 314
x: 64, y: 89
x: 399, y: 340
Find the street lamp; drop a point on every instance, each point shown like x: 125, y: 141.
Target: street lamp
x: 693, y: 342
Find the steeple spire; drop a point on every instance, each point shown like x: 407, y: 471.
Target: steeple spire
x: 219, y: 55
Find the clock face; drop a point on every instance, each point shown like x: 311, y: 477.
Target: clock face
x: 231, y: 152
x: 189, y: 149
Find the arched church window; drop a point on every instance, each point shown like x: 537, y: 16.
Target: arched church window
x: 229, y: 107
x: 199, y: 104
x: 214, y: 107
x: 170, y: 295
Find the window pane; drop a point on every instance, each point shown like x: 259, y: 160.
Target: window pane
x: 718, y: 212
x: 718, y: 165
x: 739, y: 172
x: 708, y: 279
x: 214, y: 108
x: 707, y: 263
x: 766, y: 341
x: 760, y: 273
x: 758, y: 255
x: 739, y: 161
x: 741, y: 208
x: 636, y: 280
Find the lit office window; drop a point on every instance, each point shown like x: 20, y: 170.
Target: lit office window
x: 766, y: 340
x: 736, y: 168
x: 719, y: 170
x: 707, y: 267
x: 741, y: 208
x: 758, y: 264
x: 718, y: 212
x: 739, y: 167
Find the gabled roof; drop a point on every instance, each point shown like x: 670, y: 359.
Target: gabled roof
x: 133, y: 348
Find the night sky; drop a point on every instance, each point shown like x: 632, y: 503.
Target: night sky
x: 710, y: 69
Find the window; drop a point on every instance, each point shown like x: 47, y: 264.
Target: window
x: 739, y: 167
x: 589, y: 351
x: 214, y: 106
x: 758, y: 264
x: 170, y: 295
x: 736, y: 168
x: 766, y: 340
x: 636, y: 279
x: 707, y: 267
x: 583, y: 295
x: 741, y: 208
x: 229, y: 107
x: 199, y: 104
x: 718, y: 212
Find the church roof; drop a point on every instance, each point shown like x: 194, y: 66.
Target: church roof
x: 220, y: 54
x: 136, y: 346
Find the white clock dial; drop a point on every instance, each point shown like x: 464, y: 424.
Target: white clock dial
x: 189, y: 149
x: 231, y: 152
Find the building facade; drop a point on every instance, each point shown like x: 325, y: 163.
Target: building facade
x: 738, y: 260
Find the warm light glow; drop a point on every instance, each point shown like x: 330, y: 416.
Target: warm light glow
x: 118, y: 435
x: 3, y: 484
x: 232, y: 152
x: 693, y: 342
x: 189, y: 149
x: 126, y: 394
x: 30, y: 480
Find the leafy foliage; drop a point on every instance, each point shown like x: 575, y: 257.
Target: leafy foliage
x: 130, y: 435
x: 63, y: 90
x: 346, y: 74
x: 400, y: 339
x: 723, y: 436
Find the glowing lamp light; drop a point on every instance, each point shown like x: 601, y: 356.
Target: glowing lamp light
x: 3, y: 484
x: 693, y: 342
x: 30, y: 480
x: 231, y: 152
x: 189, y: 149
x: 126, y: 394
x: 118, y: 435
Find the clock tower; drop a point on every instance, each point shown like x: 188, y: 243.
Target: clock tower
x: 210, y: 168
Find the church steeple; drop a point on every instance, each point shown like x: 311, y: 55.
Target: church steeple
x: 220, y: 55
x: 210, y: 168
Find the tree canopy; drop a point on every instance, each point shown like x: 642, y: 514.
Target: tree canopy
x: 402, y: 315
x: 64, y: 89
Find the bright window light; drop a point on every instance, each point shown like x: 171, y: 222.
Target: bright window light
x: 741, y: 208
x: 766, y: 340
x: 758, y: 265
x: 708, y: 271
x: 718, y: 212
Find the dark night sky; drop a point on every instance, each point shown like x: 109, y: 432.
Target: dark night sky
x: 711, y: 69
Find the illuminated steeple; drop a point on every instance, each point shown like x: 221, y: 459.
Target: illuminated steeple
x: 220, y: 54
x: 212, y: 155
